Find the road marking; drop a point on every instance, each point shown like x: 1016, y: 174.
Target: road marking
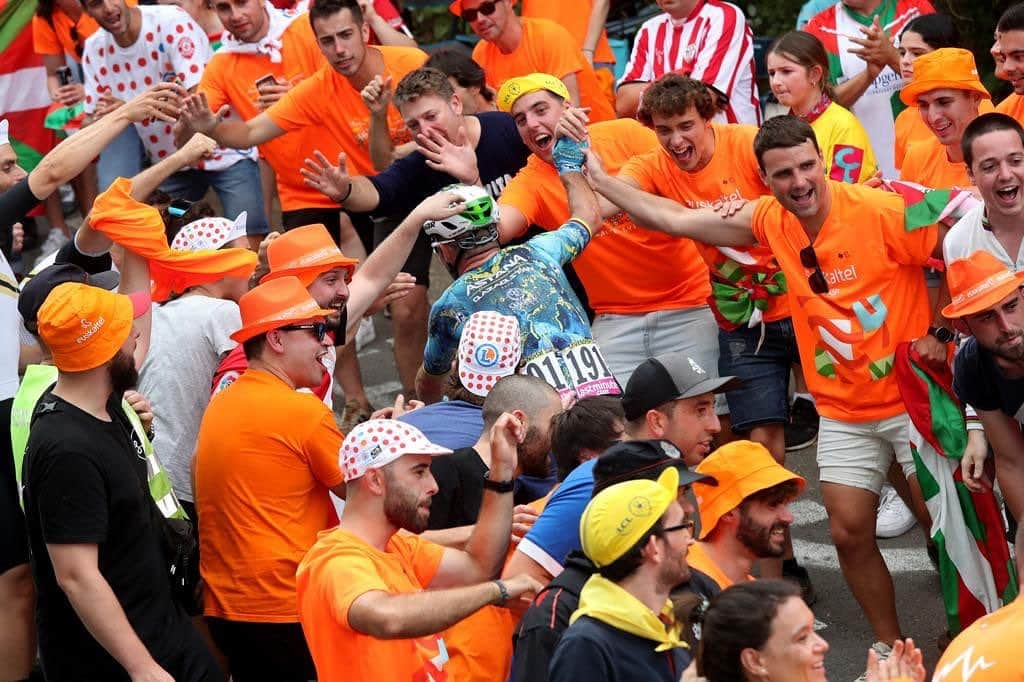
x: 898, y: 559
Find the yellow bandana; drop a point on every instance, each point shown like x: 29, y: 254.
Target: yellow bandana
x: 603, y: 600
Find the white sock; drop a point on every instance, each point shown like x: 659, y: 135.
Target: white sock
x: 805, y: 396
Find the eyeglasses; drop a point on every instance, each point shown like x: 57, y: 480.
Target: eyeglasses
x: 319, y: 329
x: 809, y: 259
x: 685, y: 525
x: 486, y: 8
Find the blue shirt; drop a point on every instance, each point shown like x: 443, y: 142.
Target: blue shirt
x: 453, y: 424
x: 557, y: 530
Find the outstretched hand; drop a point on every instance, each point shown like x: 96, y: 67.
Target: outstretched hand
x: 199, y: 117
x: 321, y: 174
x: 455, y: 157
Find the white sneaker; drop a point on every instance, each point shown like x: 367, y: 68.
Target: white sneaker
x: 883, y: 650
x: 55, y: 239
x: 365, y: 334
x: 894, y: 517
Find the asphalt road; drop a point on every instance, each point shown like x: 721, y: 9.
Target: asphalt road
x: 844, y: 626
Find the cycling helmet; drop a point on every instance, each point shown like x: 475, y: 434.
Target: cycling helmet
x: 475, y: 226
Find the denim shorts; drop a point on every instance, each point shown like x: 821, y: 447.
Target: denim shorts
x: 763, y: 397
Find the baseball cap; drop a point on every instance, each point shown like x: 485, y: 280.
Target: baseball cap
x: 209, y: 233
x: 489, y: 349
x: 514, y: 88
x: 977, y: 283
x: 375, y: 443
x: 741, y: 468
x: 84, y: 326
x: 305, y: 252
x: 947, y: 67
x: 634, y: 459
x: 35, y: 291
x: 618, y: 516
x: 674, y: 376
x: 275, y: 304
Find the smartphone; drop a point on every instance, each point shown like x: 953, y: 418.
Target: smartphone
x: 64, y: 76
x: 179, y: 207
x: 263, y: 81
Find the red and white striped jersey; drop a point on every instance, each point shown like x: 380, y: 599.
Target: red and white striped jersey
x: 713, y: 45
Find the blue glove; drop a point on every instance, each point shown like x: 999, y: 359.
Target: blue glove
x: 569, y: 155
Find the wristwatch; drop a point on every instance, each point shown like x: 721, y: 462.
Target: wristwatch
x: 942, y: 334
x: 499, y: 486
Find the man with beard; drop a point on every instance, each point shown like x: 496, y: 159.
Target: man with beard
x: 105, y: 609
x: 989, y: 367
x: 638, y: 536
x: 265, y: 460
x: 745, y: 517
x: 375, y: 602
x: 460, y: 477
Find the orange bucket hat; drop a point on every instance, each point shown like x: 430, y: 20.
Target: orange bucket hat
x: 275, y: 304
x: 947, y: 67
x: 305, y: 252
x: 84, y: 326
x: 977, y: 283
x: 741, y: 468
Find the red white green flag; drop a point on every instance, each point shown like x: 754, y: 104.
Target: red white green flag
x: 975, y: 568
x: 24, y: 100
x: 927, y: 206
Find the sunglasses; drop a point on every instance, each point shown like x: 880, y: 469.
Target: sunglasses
x: 809, y: 259
x: 685, y: 525
x: 486, y: 8
x: 319, y: 329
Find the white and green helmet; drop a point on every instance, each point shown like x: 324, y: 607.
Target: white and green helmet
x: 475, y: 226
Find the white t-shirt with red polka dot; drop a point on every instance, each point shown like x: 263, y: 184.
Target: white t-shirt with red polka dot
x: 170, y: 44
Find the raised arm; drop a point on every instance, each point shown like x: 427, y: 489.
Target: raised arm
x: 236, y: 134
x: 595, y: 25
x: 665, y: 215
x: 354, y: 193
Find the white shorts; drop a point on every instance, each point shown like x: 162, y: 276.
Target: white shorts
x: 858, y: 454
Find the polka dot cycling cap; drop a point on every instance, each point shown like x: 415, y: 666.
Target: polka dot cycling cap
x: 209, y: 233
x: 377, y: 442
x: 490, y: 348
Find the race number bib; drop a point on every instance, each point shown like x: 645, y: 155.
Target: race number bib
x: 578, y: 371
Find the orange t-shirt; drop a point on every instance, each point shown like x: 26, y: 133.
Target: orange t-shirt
x: 230, y: 78
x: 697, y: 557
x: 328, y: 103
x: 988, y: 650
x: 54, y: 36
x: 625, y: 269
x: 341, y: 567
x: 575, y: 18
x: 847, y: 338
x: 928, y: 164
x: 261, y: 490
x: 732, y: 173
x: 548, y: 48
x: 1013, y: 106
x: 911, y: 129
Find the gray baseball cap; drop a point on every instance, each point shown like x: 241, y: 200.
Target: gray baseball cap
x: 674, y: 376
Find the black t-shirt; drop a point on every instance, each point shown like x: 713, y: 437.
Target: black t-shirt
x: 594, y: 651
x: 14, y: 204
x: 460, y: 489
x: 84, y: 483
x: 978, y: 382
x: 500, y: 154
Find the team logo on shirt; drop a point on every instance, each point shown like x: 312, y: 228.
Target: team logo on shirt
x: 186, y: 48
x: 847, y: 162
x: 486, y: 355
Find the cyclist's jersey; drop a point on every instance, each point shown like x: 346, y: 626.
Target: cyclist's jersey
x: 527, y: 282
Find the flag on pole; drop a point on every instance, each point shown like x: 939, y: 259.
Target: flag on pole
x: 975, y: 569
x: 24, y: 99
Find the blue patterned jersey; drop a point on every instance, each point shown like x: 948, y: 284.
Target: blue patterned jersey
x: 527, y: 282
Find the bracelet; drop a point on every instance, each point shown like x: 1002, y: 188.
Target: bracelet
x: 502, y: 592
x: 348, y: 193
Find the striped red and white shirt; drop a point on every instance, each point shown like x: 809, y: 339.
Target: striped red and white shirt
x: 713, y: 44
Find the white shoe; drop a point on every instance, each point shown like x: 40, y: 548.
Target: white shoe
x: 894, y: 517
x: 55, y: 239
x: 883, y: 650
x: 365, y: 334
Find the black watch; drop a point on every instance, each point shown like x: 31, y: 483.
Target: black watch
x: 499, y: 486
x: 942, y: 334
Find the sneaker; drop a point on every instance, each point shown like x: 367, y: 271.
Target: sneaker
x: 365, y: 334
x: 884, y: 651
x: 54, y: 240
x: 796, y: 573
x: 802, y: 429
x: 352, y: 415
x: 894, y: 517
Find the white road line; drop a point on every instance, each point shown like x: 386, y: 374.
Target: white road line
x: 823, y: 555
